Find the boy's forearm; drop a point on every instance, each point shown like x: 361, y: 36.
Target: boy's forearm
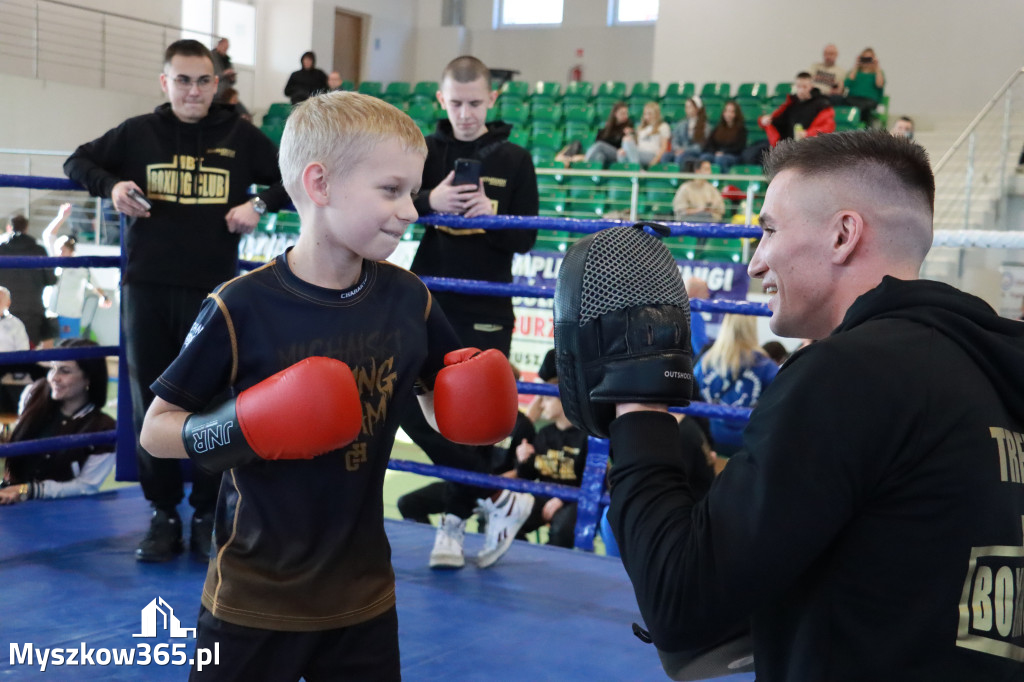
x: 161, y: 430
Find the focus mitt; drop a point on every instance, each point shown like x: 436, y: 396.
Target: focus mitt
x: 622, y: 326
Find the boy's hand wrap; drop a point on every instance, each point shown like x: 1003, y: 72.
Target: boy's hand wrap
x: 303, y: 411
x: 475, y: 397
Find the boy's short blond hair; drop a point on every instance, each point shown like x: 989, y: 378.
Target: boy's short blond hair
x: 338, y: 130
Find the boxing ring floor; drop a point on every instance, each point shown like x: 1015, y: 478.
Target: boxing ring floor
x: 68, y: 577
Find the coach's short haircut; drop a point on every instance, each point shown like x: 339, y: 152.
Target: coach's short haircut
x: 893, y: 159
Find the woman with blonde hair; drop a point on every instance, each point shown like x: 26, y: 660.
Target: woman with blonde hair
x: 734, y: 371
x: 651, y: 140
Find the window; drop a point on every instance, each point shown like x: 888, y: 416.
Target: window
x: 237, y: 23
x: 528, y: 13
x: 632, y: 12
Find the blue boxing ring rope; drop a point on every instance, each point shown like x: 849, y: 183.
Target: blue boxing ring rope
x: 590, y: 496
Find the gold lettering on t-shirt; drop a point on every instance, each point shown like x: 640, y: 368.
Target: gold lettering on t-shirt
x: 187, y: 181
x: 1011, y: 454
x: 355, y: 456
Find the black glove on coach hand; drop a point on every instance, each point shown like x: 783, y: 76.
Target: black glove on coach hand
x: 622, y: 326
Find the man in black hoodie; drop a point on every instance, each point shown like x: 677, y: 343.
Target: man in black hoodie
x: 193, y: 162
x: 507, y: 186
x: 871, y: 527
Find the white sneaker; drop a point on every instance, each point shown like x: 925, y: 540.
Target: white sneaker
x: 447, y: 552
x: 505, y: 516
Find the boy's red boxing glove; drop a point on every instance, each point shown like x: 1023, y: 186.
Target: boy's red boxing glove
x: 303, y: 411
x: 475, y: 398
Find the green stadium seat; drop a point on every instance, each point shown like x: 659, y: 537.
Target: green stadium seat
x: 513, y: 112
x: 375, y: 88
x: 579, y: 92
x: 848, y: 118
x: 645, y: 90
x: 636, y: 109
x: 580, y: 113
x: 273, y: 131
x: 673, y: 111
x: 518, y: 89
x: 545, y: 135
x: 520, y: 135
x: 753, y: 91
x: 397, y: 93
x: 423, y: 111
x: 620, y: 190
x: 782, y: 89
x: 347, y: 85
x: 583, y: 132
x: 554, y: 202
x: 543, y: 155
x: 677, y: 90
x: 279, y: 110
x: 546, y: 113
x: 715, y: 91
x: 547, y: 89
x: 603, y: 109
x: 612, y: 89
x: 751, y: 111
x: 424, y: 91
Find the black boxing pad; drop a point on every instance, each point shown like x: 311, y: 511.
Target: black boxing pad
x: 622, y: 326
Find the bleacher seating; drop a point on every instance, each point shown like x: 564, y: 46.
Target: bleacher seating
x: 546, y: 115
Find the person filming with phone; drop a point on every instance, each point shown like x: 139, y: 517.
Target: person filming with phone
x: 472, y: 170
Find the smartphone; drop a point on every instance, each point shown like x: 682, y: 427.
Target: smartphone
x: 139, y: 198
x: 467, y: 172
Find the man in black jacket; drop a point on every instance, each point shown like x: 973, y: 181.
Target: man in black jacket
x: 507, y: 186
x: 192, y: 161
x: 26, y: 285
x: 871, y: 528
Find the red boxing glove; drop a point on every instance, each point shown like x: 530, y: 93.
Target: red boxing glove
x: 475, y: 398
x: 303, y: 411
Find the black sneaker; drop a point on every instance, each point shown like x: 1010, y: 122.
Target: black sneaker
x: 163, y: 539
x: 201, y: 538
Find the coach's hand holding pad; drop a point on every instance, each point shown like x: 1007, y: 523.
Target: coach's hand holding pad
x: 622, y: 326
x: 301, y: 412
x: 475, y: 397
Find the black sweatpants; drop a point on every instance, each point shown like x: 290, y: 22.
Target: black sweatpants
x: 156, y: 319
x: 461, y: 498
x: 367, y: 651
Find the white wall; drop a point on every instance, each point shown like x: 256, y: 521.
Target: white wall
x: 939, y: 56
x: 57, y: 116
x: 284, y: 30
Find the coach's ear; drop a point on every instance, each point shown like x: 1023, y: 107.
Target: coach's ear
x: 848, y: 229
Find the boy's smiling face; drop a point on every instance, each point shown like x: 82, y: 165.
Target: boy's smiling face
x: 370, y: 205
x: 467, y: 105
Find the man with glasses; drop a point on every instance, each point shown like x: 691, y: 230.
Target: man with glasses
x: 181, y: 174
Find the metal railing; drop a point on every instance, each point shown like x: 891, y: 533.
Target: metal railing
x: 977, y: 198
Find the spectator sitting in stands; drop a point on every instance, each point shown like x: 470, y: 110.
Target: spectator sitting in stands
x: 698, y: 200
x: 728, y: 139
x: 689, y: 135
x: 734, y: 371
x: 558, y: 454
x: 609, y: 139
x: 230, y: 96
x: 223, y: 69
x: 70, y: 400
x: 697, y: 288
x: 865, y: 85
x: 307, y: 81
x: 904, y: 127
x: 828, y: 76
x: 334, y: 81
x: 805, y: 113
x: 650, y: 142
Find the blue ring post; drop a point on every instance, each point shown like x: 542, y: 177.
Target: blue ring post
x: 126, y: 427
